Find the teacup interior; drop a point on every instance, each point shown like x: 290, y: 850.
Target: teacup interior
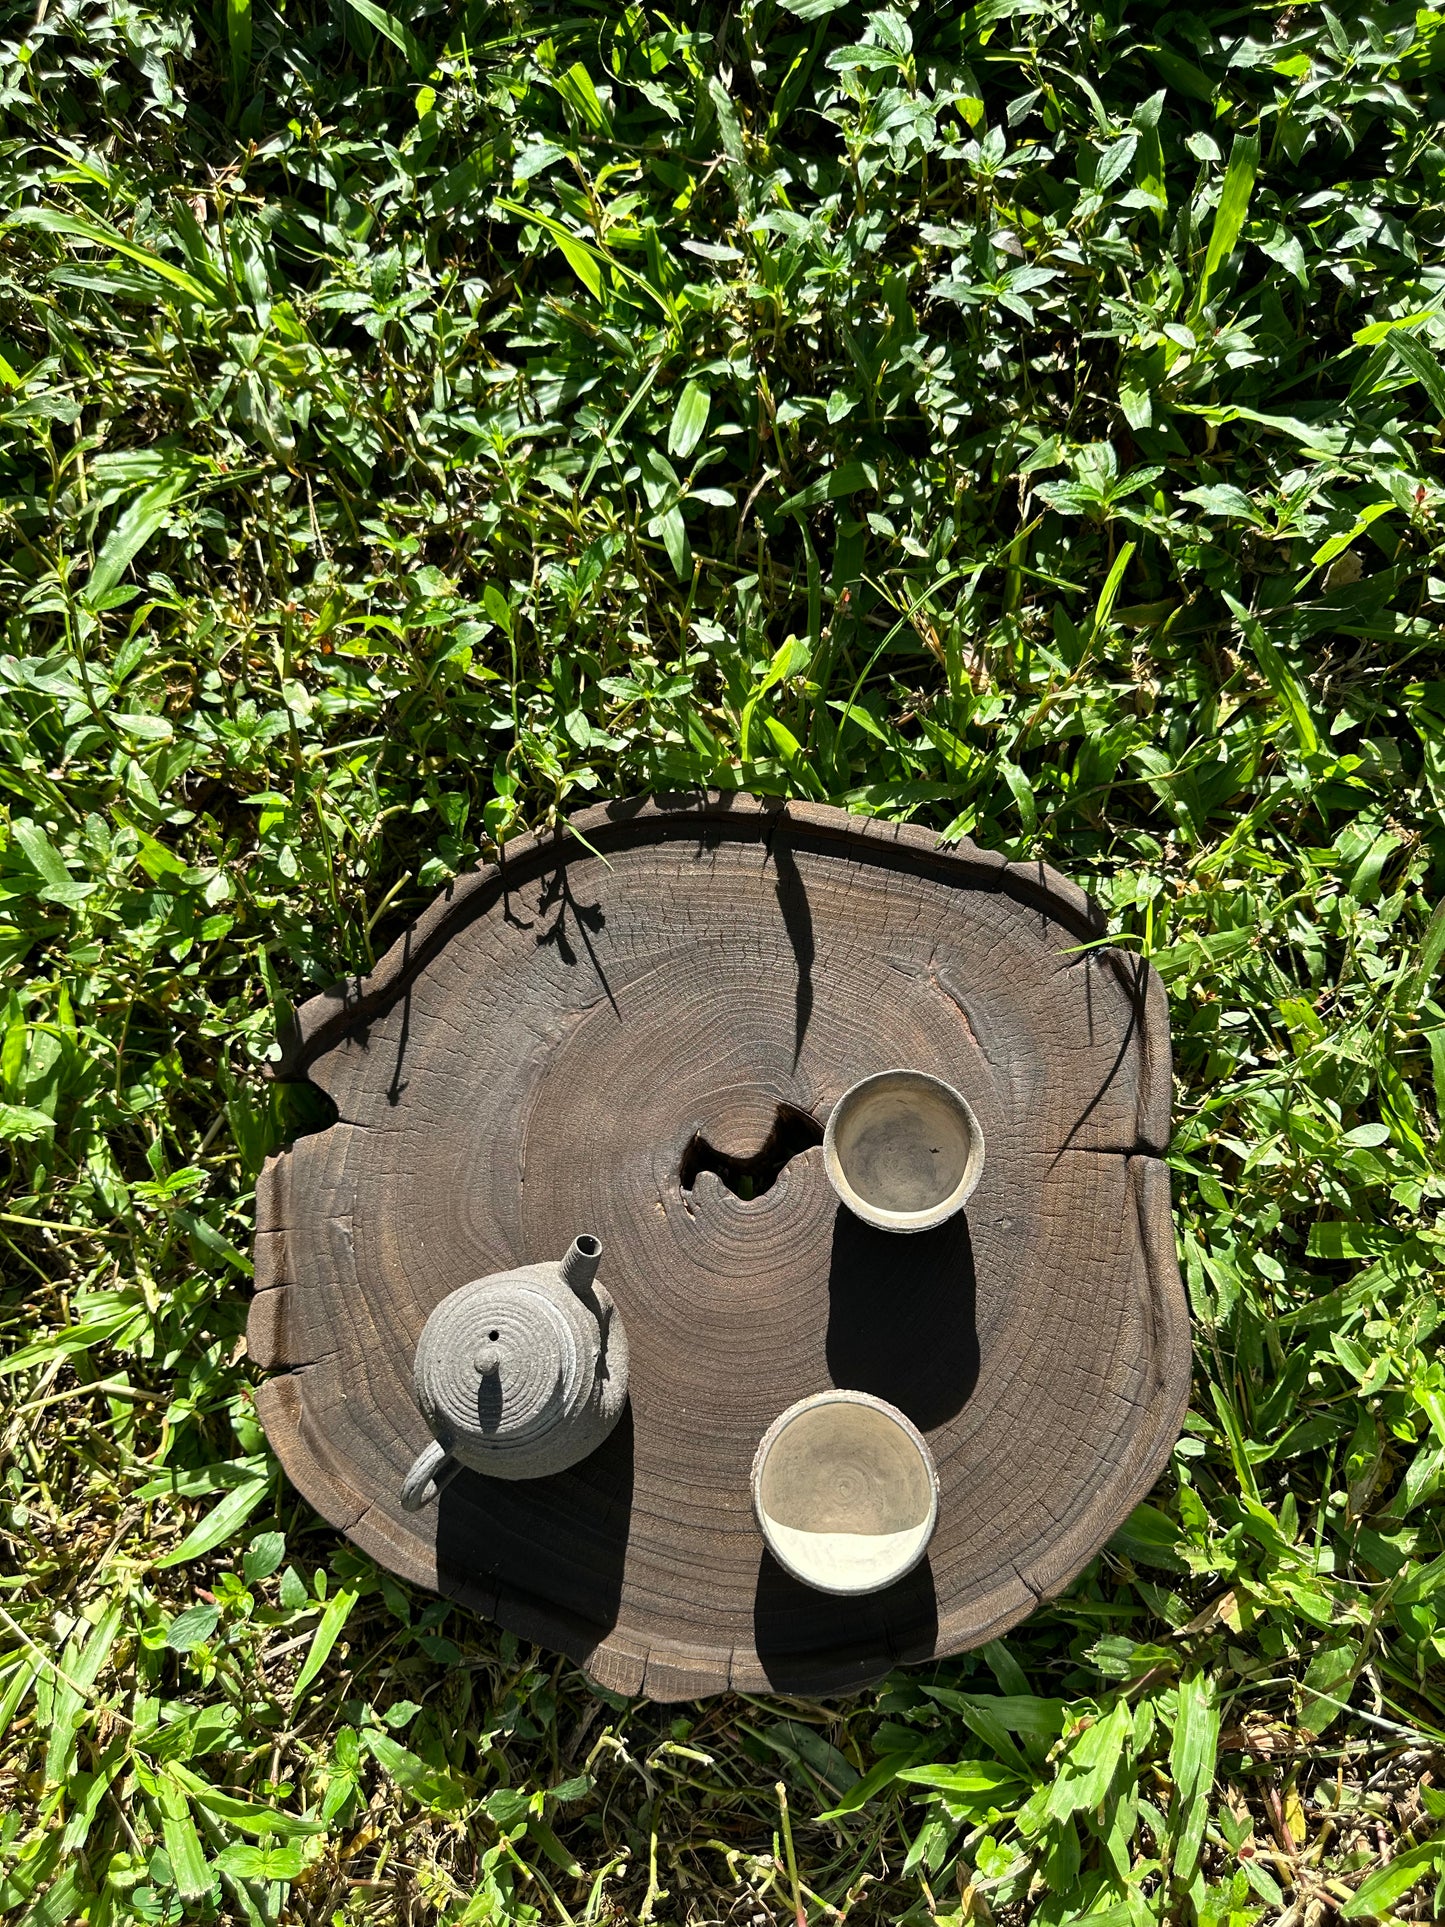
x: 903, y: 1143
x: 846, y: 1496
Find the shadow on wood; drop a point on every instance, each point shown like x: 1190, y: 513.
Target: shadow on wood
x: 901, y: 1316
x: 567, y: 1534
x: 814, y: 1642
x: 798, y: 922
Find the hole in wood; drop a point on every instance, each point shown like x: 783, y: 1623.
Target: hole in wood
x: 793, y: 1133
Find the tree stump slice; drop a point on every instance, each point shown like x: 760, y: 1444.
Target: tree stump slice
x: 622, y: 1032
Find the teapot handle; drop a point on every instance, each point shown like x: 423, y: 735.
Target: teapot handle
x: 422, y: 1484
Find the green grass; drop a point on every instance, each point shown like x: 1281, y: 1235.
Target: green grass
x: 1023, y: 419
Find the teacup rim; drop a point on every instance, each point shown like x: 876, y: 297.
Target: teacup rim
x: 842, y: 1395
x: 904, y: 1221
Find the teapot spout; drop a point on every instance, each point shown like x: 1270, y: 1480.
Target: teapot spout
x: 579, y: 1267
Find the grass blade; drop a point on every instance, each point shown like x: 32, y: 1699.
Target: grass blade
x: 183, y: 1844
x: 396, y: 31
x: 228, y: 1517
x: 83, y: 1661
x: 1288, y: 693
x: 245, y: 1815
x: 689, y: 419
x: 1230, y: 214
x: 338, y: 1611
x: 1412, y: 354
x: 54, y: 222
x: 585, y: 260
x: 1432, y: 949
x: 133, y: 529
x: 1192, y: 1755
x: 24, y: 1668
x: 238, y: 36
x: 1378, y: 1894
x: 1103, y: 608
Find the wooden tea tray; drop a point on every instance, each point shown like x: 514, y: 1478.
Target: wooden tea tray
x: 606, y: 1039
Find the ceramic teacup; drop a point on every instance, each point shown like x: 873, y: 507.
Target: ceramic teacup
x: 845, y: 1491
x: 903, y: 1150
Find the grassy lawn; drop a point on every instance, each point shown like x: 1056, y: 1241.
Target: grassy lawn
x: 1022, y: 419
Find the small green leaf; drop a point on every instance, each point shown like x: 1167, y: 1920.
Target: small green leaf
x: 261, y: 1863
x: 506, y: 1805
x: 145, y: 728
x: 674, y: 540
x: 497, y: 607
x: 1326, y: 1685
x: 192, y: 1628
x: 23, y: 1124
x: 850, y: 479
x: 689, y: 419
x: 1150, y: 1538
x: 576, y: 1788
x: 293, y: 1590
x: 1221, y: 498
x: 40, y: 853
x: 263, y: 1556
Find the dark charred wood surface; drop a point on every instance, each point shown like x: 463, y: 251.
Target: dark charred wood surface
x: 642, y: 1039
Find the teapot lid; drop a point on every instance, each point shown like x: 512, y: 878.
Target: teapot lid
x: 499, y: 1366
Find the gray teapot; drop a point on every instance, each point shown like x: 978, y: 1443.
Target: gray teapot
x: 519, y: 1374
